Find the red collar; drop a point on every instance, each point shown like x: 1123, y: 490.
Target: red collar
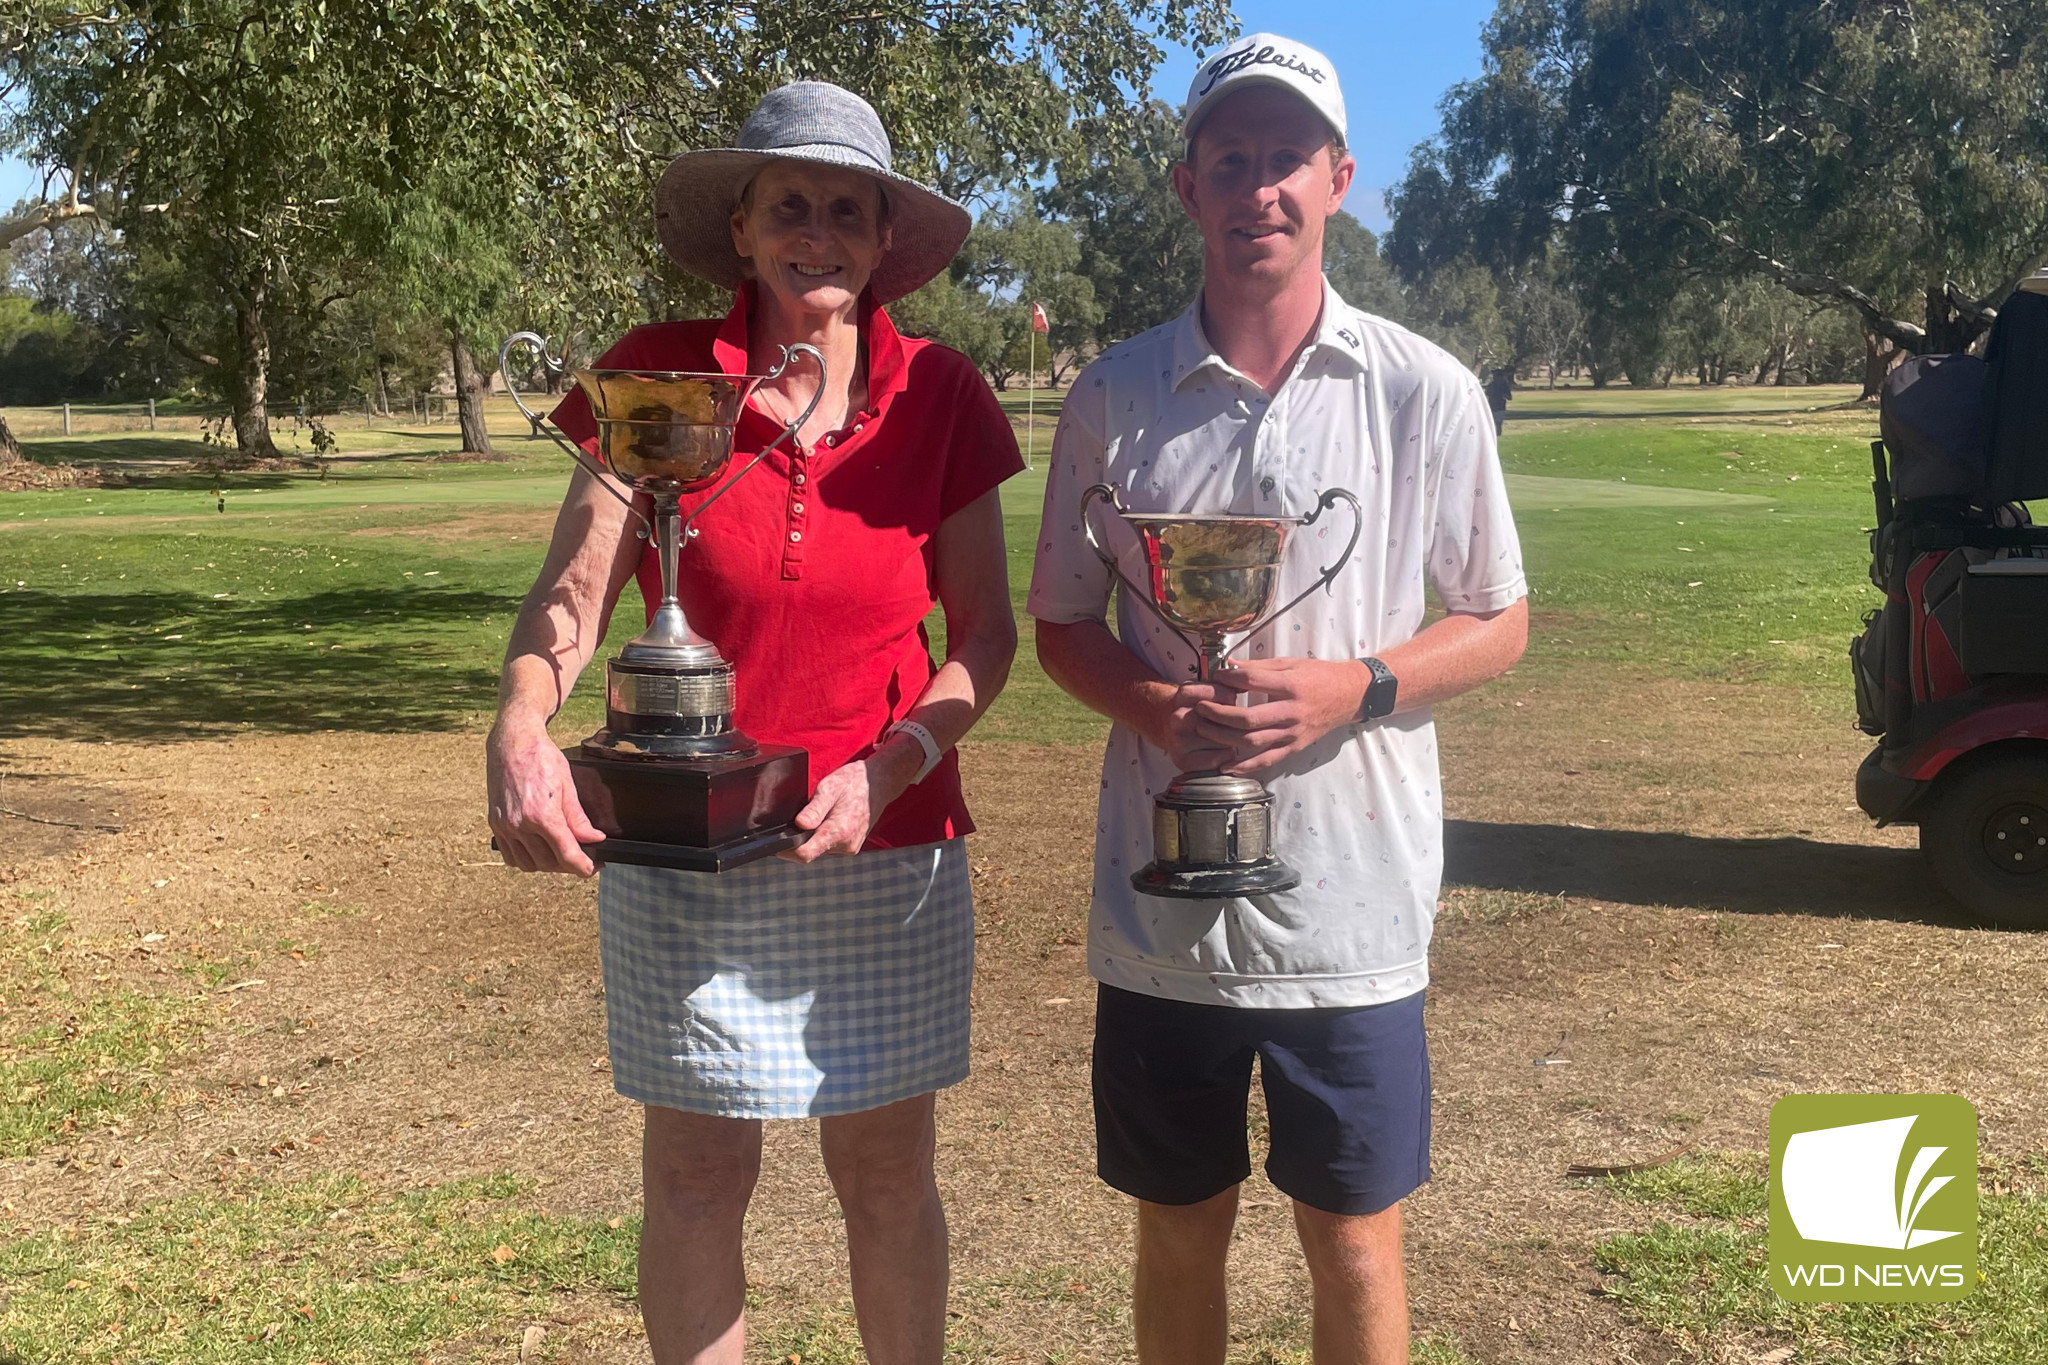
x: 887, y: 372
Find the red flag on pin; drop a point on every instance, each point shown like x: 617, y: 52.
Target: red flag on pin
x: 1038, y: 322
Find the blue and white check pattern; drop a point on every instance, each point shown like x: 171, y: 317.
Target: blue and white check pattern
x: 778, y: 990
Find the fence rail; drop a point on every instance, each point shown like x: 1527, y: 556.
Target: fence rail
x: 42, y: 421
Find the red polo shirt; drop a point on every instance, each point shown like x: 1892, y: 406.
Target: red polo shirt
x: 813, y: 576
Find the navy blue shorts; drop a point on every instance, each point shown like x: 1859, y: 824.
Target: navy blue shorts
x: 1347, y: 1099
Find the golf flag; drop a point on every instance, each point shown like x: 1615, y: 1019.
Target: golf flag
x: 1038, y: 322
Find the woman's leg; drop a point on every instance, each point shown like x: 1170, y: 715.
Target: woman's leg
x: 698, y: 1173
x: 880, y: 1162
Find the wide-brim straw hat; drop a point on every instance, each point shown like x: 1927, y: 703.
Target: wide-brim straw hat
x: 818, y: 123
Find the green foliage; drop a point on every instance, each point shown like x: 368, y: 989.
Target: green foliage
x: 1138, y: 248
x: 329, y: 1269
x: 267, y: 163
x: 1891, y: 159
x: 1019, y: 258
x: 1360, y: 275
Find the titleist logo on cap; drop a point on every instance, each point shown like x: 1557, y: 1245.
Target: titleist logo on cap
x: 1231, y: 62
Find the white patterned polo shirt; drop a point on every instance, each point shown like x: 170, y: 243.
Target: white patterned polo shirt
x: 1369, y: 407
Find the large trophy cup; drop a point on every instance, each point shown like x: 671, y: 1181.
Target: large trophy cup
x: 1214, y: 576
x: 670, y: 780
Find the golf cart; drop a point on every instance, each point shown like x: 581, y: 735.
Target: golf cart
x: 1952, y: 671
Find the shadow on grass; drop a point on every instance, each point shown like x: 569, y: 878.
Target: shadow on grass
x: 1789, y: 876
x: 170, y: 665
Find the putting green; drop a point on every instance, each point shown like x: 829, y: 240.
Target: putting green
x: 1535, y: 492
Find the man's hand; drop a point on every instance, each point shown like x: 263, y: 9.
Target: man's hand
x: 1184, y: 739
x: 1305, y: 700
x: 850, y: 799
x: 539, y: 822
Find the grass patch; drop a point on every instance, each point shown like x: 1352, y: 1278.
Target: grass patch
x: 330, y: 1269
x: 73, y: 1053
x: 1704, y: 1280
x: 380, y: 596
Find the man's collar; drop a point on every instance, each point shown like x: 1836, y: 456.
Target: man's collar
x: 1337, y: 333
x: 887, y: 372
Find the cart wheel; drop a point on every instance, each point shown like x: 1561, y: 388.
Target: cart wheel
x: 1986, y: 834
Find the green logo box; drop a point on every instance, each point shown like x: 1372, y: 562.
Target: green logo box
x: 1873, y: 1198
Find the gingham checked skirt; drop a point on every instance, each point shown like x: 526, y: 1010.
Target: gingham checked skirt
x: 779, y: 990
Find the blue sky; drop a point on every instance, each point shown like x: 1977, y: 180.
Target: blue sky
x: 1394, y: 60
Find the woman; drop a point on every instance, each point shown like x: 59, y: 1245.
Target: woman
x: 833, y: 984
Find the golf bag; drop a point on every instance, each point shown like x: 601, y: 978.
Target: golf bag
x: 1965, y: 574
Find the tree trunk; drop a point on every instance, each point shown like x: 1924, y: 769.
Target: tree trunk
x: 1949, y: 330
x: 10, y: 450
x: 249, y: 393
x: 469, y: 395
x: 1879, y: 355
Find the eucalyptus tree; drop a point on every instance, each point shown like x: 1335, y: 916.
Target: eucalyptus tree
x: 1138, y: 248
x: 1885, y: 157
x: 253, y: 149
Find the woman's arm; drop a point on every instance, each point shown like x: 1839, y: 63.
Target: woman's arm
x: 534, y: 812
x: 981, y: 640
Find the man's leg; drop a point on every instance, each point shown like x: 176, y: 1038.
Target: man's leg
x: 1347, y: 1095
x: 880, y: 1162
x: 1178, y: 1302
x: 698, y: 1173
x: 1361, y: 1295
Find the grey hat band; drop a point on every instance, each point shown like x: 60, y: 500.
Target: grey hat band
x: 845, y: 152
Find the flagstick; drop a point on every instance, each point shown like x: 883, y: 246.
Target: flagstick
x: 1030, y: 392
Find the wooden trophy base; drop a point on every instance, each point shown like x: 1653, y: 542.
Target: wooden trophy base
x: 694, y: 814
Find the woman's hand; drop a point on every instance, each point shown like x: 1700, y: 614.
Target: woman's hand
x: 539, y: 822
x: 850, y: 800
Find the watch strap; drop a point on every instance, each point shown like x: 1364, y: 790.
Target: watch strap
x: 926, y: 740
x: 1378, y: 700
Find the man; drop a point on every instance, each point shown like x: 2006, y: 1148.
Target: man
x: 1499, y: 390
x: 1268, y: 390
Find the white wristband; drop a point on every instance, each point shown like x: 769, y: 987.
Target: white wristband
x: 926, y: 740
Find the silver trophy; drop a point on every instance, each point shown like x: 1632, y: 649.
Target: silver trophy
x: 670, y: 780
x: 1211, y: 576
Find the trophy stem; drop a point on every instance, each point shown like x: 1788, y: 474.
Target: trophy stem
x: 668, y: 508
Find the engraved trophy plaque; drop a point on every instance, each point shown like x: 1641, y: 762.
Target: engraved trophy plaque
x: 1209, y: 577
x: 670, y: 780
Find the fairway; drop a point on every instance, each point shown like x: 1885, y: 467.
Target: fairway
x: 310, y: 1015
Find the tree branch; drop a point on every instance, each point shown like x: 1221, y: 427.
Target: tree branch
x: 172, y: 340
x: 1903, y: 334
x: 48, y: 214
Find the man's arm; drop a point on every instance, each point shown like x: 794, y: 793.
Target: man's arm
x: 1095, y: 669
x: 1308, y: 698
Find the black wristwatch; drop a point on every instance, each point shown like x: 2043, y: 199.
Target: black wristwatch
x: 1379, y: 693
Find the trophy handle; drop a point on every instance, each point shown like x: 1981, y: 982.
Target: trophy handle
x: 789, y: 353
x: 1331, y: 497
x: 552, y: 363
x: 1105, y: 492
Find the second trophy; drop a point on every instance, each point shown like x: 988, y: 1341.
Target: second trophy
x: 671, y: 781
x: 1208, y: 577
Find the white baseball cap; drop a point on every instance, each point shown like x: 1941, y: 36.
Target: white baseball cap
x: 1266, y: 59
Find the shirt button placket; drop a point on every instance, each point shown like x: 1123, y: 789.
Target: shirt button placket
x: 793, y: 539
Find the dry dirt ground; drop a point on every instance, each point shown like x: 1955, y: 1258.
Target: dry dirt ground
x: 1659, y: 888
